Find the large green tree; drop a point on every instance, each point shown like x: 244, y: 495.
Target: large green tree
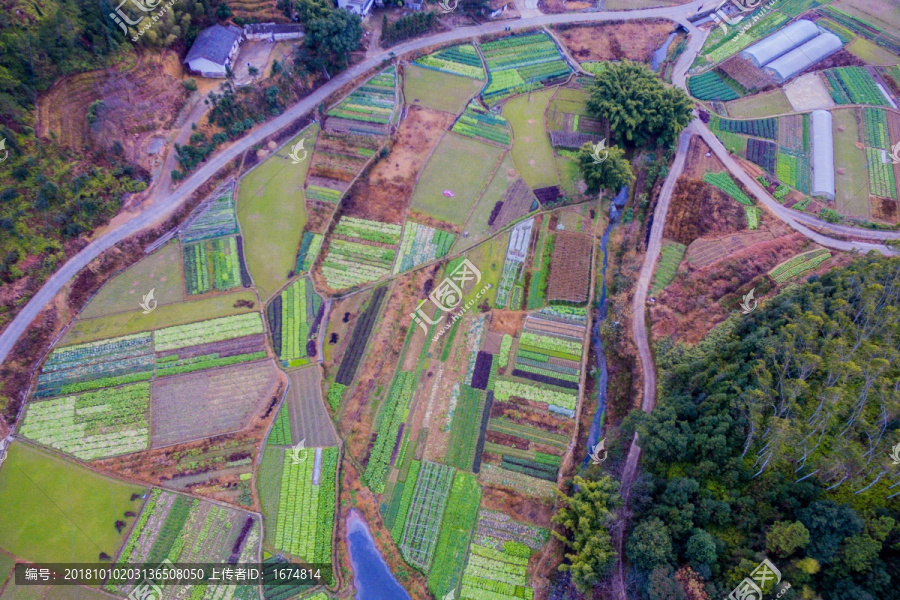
x: 639, y: 108
x: 611, y: 173
x: 330, y: 40
x: 785, y: 537
x: 586, y: 516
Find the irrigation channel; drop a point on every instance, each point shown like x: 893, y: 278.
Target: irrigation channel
x: 597, y: 425
x: 659, y: 56
x: 372, y: 578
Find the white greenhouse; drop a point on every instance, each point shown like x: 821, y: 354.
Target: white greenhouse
x: 801, y: 58
x: 822, y: 160
x: 780, y: 42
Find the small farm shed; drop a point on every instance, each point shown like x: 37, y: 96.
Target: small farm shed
x: 273, y: 32
x: 804, y: 56
x: 213, y: 50
x: 822, y: 162
x: 780, y: 42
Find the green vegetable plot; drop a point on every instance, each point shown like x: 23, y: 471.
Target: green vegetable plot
x: 799, y: 265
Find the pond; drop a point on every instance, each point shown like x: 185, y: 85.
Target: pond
x: 371, y: 576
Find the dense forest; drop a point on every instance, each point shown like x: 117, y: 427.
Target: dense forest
x: 773, y: 438
x: 50, y: 195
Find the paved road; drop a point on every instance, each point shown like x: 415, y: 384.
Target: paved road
x: 158, y: 210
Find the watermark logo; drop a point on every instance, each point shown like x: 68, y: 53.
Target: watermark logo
x: 295, y: 156
x: 148, y: 589
x: 451, y: 595
x: 448, y: 295
x: 724, y: 19
x: 296, y: 457
x: 599, y: 152
x: 895, y: 154
x: 596, y: 450
x: 749, y: 304
x: 121, y: 18
x: 448, y: 5
x: 3, y: 148
x: 751, y: 588
x: 895, y: 454
x: 148, y: 303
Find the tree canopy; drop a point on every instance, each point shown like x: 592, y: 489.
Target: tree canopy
x: 772, y: 436
x: 330, y: 40
x: 613, y: 173
x: 586, y: 516
x: 639, y: 108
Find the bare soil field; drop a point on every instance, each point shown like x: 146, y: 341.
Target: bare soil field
x: 884, y: 209
x: 707, y: 251
x: 808, y: 93
x: 138, y: 101
x: 384, y: 192
x: 634, y: 40
x: 692, y: 305
x: 700, y: 160
x: 309, y: 417
x: 699, y: 209
x: 206, y: 403
x: 570, y: 268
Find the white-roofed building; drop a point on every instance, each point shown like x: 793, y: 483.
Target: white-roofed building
x: 804, y: 56
x: 822, y: 150
x: 780, y: 42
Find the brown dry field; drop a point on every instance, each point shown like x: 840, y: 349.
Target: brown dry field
x: 634, y: 40
x: 310, y: 418
x: 570, y: 267
x: 139, y: 100
x: 507, y: 321
x: 697, y: 163
x: 699, y: 209
x: 383, y: 193
x: 695, y: 303
x: 318, y: 214
x: 351, y: 306
x: 704, y: 252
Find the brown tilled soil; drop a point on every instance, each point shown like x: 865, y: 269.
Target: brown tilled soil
x: 634, y: 40
x: 695, y: 303
x: 137, y: 102
x: 518, y: 507
x: 570, y: 268
x: 697, y: 163
x: 884, y: 209
x: 317, y: 215
x: 699, y: 209
x: 507, y: 321
x: 383, y: 193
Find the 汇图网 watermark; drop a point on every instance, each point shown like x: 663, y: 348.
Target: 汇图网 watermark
x: 749, y: 304
x: 122, y: 19
x: 596, y: 450
x: 448, y: 5
x: 295, y: 155
x: 4, y: 150
x: 599, y: 151
x: 751, y: 588
x: 148, y: 302
x: 448, y: 295
x: 724, y: 19
x: 295, y: 455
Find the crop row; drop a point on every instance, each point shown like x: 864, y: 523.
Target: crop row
x: 372, y: 231
x: 305, y: 517
x: 392, y: 415
x: 92, y: 425
x: 212, y: 264
x: 877, y: 128
x: 372, y: 102
x: 854, y: 85
x: 799, y: 264
x: 421, y: 244
x: 724, y: 182
x: 881, y: 174
x: 310, y: 246
x: 359, y: 338
x: 753, y: 215
x: 506, y: 389
x: 495, y: 575
x: 294, y: 322
x: 710, y: 86
x: 458, y: 60
x: 208, y: 361
x: 764, y: 128
x: 478, y: 123
x: 204, y: 332
x: 460, y: 520
x: 115, y: 370
x: 763, y: 153
x: 216, y: 220
x: 426, y: 511
x: 323, y: 194
x: 553, y: 344
x: 516, y: 61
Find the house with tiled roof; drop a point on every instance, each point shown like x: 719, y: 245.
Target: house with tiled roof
x: 214, y: 50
